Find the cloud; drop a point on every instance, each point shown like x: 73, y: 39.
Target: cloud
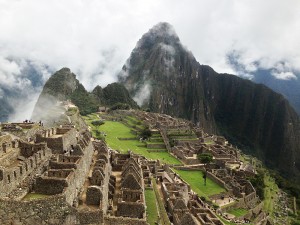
x: 143, y: 95
x: 284, y: 75
x: 94, y: 38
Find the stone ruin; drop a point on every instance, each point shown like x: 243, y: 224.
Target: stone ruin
x: 183, y: 206
x: 226, y: 169
x: 84, y: 182
x: 80, y: 180
x: 18, y: 160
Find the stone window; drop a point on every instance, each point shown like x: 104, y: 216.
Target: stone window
x: 8, y: 178
x: 1, y: 175
x: 21, y: 170
x: 15, y: 174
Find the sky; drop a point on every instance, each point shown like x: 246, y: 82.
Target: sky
x: 94, y: 38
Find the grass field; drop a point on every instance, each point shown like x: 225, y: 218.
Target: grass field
x: 31, y: 196
x: 152, y: 214
x: 115, y: 130
x: 195, y: 179
x: 238, y: 212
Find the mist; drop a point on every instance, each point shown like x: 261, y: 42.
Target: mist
x: 95, y: 38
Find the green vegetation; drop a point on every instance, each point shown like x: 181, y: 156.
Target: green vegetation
x: 71, y: 111
x: 97, y: 122
x: 162, y: 211
x: 146, y: 133
x: 115, y: 130
x: 195, y: 179
x: 205, y: 158
x: 258, y: 183
x: 31, y: 196
x: 84, y: 100
x: 114, y: 95
x: 238, y: 212
x: 119, y: 105
x: 152, y: 214
x: 270, y: 194
x: 225, y: 221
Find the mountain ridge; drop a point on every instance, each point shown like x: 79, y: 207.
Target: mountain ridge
x: 221, y: 103
x: 63, y: 86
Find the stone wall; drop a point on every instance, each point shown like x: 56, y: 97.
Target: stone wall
x: 3, y: 140
x: 11, y: 177
x: 131, y: 209
x: 124, y: 221
x: 217, y: 180
x: 59, y: 141
x: 90, y: 217
x: 52, y: 211
x: 69, y: 184
x: 150, y: 145
x: 80, y: 174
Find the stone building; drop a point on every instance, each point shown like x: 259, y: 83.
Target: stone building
x: 19, y: 159
x: 131, y: 202
x: 183, y: 206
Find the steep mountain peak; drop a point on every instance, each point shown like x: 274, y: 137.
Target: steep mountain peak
x: 161, y: 33
x: 163, y: 29
x: 163, y: 76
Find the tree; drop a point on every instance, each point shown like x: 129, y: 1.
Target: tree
x: 205, y: 158
x: 146, y: 133
x: 97, y: 122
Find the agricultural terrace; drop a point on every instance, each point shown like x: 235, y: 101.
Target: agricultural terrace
x: 238, y: 212
x: 115, y: 132
x: 195, y: 180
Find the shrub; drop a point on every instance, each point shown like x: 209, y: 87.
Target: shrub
x: 97, y: 122
x: 119, y: 105
x: 146, y: 133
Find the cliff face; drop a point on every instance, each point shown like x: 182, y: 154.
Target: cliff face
x: 162, y: 75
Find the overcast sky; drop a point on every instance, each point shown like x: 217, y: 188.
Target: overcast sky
x: 94, y: 38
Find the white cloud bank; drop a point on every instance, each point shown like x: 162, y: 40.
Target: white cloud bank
x: 94, y: 38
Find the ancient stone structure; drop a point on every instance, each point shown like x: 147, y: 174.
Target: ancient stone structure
x: 18, y: 159
x: 226, y: 169
x: 78, y: 179
x: 183, y: 206
x: 82, y: 181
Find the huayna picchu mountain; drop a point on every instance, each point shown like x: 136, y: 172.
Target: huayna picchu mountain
x: 163, y: 76
x: 63, y: 86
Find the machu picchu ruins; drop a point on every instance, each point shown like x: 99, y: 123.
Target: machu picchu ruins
x: 70, y: 174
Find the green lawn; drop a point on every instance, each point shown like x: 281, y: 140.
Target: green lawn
x: 164, y: 219
x: 115, y: 130
x: 238, y: 212
x: 31, y: 196
x: 195, y: 179
x: 152, y: 214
